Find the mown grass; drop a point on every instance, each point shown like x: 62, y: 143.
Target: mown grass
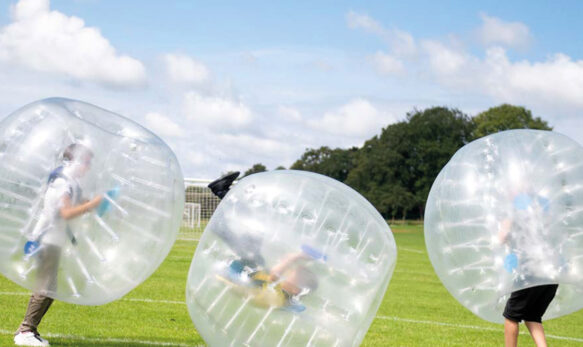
x: 416, y: 311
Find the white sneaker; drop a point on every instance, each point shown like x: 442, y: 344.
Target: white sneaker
x: 29, y: 339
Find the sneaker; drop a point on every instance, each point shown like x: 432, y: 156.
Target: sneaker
x: 29, y: 339
x: 221, y: 185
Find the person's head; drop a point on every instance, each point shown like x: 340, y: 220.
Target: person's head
x: 299, y: 280
x: 78, y: 158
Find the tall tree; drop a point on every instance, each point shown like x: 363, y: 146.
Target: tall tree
x: 255, y: 169
x: 395, y: 170
x: 335, y: 163
x: 505, y: 117
x: 436, y: 134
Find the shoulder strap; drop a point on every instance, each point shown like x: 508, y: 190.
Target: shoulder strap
x: 56, y: 173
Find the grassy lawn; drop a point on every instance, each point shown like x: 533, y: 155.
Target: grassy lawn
x: 416, y: 311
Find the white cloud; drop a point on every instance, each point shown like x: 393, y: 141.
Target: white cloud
x: 556, y: 80
x: 163, y: 125
x: 444, y: 60
x: 256, y: 145
x: 358, y: 118
x: 216, y: 112
x: 184, y: 69
x: 362, y: 21
x: 289, y: 113
x: 495, y: 31
x: 387, y: 64
x: 400, y: 42
x: 49, y: 41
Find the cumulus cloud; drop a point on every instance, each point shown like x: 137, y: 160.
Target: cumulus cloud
x: 555, y: 81
x: 185, y: 70
x: 289, y: 113
x: 444, y: 60
x: 495, y: 31
x: 358, y: 118
x: 559, y: 79
x: 216, y: 112
x: 400, y: 42
x: 49, y: 41
x: 362, y: 21
x: 163, y: 125
x: 387, y: 64
x: 256, y: 145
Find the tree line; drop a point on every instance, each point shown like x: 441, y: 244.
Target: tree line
x: 395, y: 169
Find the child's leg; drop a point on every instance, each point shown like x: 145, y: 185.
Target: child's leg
x: 510, y: 333
x: 537, y: 332
x: 37, y: 308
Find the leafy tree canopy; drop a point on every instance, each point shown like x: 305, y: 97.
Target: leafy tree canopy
x: 255, y: 169
x: 505, y: 117
x: 335, y: 163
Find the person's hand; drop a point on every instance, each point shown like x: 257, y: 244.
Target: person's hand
x: 93, y: 203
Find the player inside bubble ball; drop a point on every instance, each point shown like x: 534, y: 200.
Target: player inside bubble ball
x: 530, y: 259
x: 62, y: 202
x: 284, y: 284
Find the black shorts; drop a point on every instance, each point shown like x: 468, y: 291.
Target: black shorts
x: 530, y: 304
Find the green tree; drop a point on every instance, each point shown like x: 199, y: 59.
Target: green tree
x: 335, y: 163
x: 505, y: 117
x: 395, y: 170
x: 255, y: 169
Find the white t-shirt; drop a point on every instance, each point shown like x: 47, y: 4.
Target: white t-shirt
x: 51, y: 227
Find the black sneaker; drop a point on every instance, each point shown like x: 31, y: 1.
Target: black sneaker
x: 221, y: 185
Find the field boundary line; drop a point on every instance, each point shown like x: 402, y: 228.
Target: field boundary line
x: 393, y: 318
x: 413, y: 250
x: 474, y: 327
x: 128, y: 299
x: 156, y: 301
x: 187, y: 239
x: 112, y: 339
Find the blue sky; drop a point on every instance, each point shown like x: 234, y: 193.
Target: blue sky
x: 230, y: 84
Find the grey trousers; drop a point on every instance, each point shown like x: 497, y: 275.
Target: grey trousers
x: 47, y: 262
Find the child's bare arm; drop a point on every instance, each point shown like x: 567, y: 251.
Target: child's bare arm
x: 505, y: 227
x: 68, y: 211
x: 283, y: 265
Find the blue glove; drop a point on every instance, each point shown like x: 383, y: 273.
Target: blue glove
x: 314, y: 253
x: 105, y: 205
x: 510, y: 262
x: 31, y: 247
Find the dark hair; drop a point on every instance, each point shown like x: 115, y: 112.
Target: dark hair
x: 75, y: 150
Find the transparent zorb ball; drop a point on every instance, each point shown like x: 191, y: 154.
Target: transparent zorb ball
x: 59, y: 147
x: 290, y: 258
x: 506, y: 213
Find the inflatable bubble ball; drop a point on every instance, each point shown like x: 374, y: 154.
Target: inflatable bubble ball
x: 91, y: 201
x: 506, y: 213
x: 290, y: 258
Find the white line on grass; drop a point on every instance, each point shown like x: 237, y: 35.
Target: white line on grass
x: 474, y: 327
x: 157, y: 301
x: 110, y: 340
x: 128, y: 299
x: 398, y: 319
x: 411, y: 250
x: 187, y: 239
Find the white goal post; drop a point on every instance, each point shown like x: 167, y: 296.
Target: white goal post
x: 200, y: 203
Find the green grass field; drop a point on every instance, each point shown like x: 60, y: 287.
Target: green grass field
x: 416, y: 311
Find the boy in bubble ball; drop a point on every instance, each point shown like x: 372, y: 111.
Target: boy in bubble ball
x: 524, y: 233
x: 62, y: 202
x: 284, y: 284
x: 281, y: 287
